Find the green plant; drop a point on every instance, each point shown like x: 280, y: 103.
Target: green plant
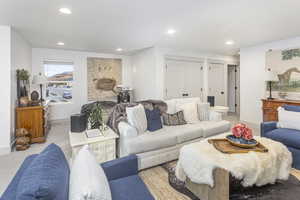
x: 95, y: 116
x: 23, y: 74
x: 290, y: 54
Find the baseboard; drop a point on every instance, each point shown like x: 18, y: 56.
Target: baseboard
x: 12, y: 144
x: 5, y: 150
x: 60, y: 121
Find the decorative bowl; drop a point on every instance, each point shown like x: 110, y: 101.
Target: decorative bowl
x: 241, y: 142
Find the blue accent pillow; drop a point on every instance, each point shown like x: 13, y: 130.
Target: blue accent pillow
x: 153, y: 119
x: 291, y: 108
x: 47, y: 177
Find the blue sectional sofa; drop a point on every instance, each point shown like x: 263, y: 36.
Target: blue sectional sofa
x: 288, y: 137
x: 46, y: 176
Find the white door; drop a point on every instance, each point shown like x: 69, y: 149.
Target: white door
x: 237, y: 94
x: 193, y: 79
x: 231, y: 88
x: 183, y: 79
x: 216, y: 83
x: 174, y: 79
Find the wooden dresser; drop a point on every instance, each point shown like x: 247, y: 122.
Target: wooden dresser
x: 36, y: 120
x: 269, y: 108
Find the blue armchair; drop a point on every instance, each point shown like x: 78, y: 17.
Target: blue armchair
x: 122, y: 174
x: 288, y: 137
x: 124, y: 181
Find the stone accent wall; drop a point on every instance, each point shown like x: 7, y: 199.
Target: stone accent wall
x: 103, y: 69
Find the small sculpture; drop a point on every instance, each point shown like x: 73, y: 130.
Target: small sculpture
x: 22, y: 139
x: 106, y: 84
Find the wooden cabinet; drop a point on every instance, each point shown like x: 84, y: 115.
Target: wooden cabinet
x: 269, y: 108
x: 36, y: 120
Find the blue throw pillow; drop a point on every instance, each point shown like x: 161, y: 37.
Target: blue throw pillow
x: 291, y: 108
x: 153, y: 119
x: 47, y: 177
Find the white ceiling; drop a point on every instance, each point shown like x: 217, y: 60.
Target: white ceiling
x: 104, y: 25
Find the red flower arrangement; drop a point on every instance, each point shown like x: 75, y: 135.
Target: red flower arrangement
x: 242, y: 131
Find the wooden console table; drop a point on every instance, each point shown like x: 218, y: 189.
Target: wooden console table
x: 269, y: 108
x: 36, y: 120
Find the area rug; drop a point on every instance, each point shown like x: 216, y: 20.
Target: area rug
x: 282, y: 190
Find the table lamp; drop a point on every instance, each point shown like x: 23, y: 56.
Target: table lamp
x: 39, y: 80
x: 271, y: 77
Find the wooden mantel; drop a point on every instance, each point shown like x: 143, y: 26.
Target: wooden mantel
x: 269, y: 108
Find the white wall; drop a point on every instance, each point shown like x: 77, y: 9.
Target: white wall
x: 252, y: 84
x: 5, y: 82
x: 149, y: 70
x: 64, y: 110
x: 144, y: 79
x: 20, y: 59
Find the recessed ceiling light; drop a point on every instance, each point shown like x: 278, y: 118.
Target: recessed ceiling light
x: 119, y: 49
x: 60, y: 44
x: 229, y: 42
x: 66, y: 11
x: 171, y: 31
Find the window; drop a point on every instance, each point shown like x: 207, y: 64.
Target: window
x: 60, y: 81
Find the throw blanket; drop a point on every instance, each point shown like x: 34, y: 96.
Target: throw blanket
x: 118, y: 113
x: 198, y: 160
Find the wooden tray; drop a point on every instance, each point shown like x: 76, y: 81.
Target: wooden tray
x: 225, y: 147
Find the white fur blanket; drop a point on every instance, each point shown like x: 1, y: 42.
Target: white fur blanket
x: 198, y: 160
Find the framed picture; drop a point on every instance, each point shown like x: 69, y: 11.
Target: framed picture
x: 286, y: 64
x: 103, y: 75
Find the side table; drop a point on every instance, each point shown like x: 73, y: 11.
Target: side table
x: 104, y: 147
x: 223, y: 110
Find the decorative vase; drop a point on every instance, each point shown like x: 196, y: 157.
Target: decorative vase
x: 34, y: 96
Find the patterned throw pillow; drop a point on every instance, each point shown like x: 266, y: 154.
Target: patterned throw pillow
x: 174, y: 119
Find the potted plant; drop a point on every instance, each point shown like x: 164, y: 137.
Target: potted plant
x: 95, y: 119
x: 22, y: 80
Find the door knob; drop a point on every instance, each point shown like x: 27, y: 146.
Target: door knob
x: 222, y: 92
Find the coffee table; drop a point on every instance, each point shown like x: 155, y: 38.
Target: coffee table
x: 206, y: 170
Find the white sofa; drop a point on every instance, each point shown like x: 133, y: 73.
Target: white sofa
x: 154, y: 148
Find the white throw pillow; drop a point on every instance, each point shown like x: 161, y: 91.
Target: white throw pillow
x: 171, y: 106
x: 87, y: 178
x: 190, y: 112
x: 136, y: 117
x: 288, y: 119
x: 182, y: 101
x: 202, y: 108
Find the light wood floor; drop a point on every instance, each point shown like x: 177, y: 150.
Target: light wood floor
x: 157, y: 181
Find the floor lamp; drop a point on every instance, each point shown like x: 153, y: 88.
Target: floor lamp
x: 39, y: 80
x: 271, y: 77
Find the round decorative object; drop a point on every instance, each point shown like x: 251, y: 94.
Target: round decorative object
x: 24, y: 101
x: 241, y: 142
x: 22, y: 140
x: 21, y: 132
x: 34, y: 96
x: 106, y: 84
